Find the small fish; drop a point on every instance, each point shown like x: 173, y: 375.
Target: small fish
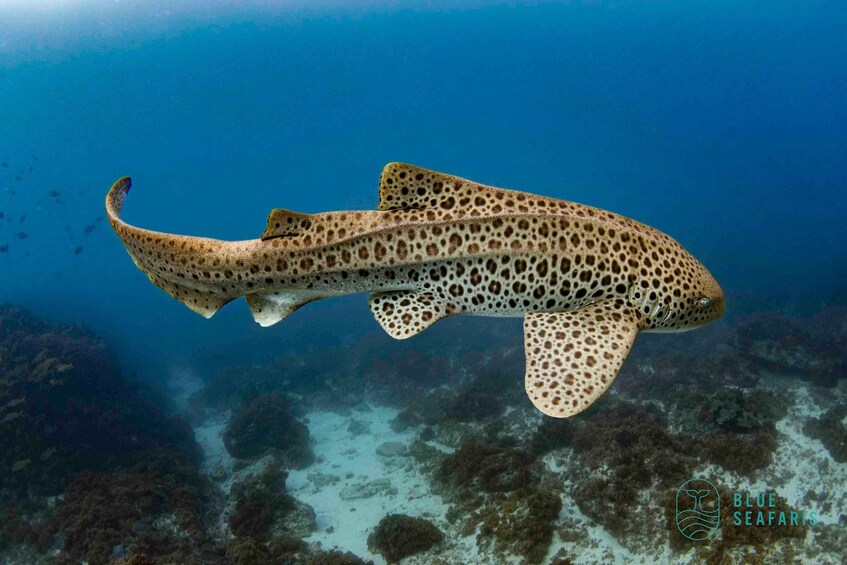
x: 89, y: 228
x: 54, y: 194
x: 15, y: 402
x: 55, y: 382
x: 4, y: 248
x: 48, y: 453
x: 64, y: 368
x: 23, y: 235
x: 4, y: 164
x: 78, y: 250
x: 2, y: 215
x: 11, y: 417
x: 22, y: 219
x: 21, y: 465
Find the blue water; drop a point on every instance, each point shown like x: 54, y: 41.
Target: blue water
x: 722, y: 125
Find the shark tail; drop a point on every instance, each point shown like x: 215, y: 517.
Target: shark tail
x: 182, y: 266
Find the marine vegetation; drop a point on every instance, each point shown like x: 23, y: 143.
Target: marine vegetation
x: 831, y: 431
x: 586, y: 281
x: 398, y: 536
x: 813, y: 348
x: 65, y: 408
x: 265, y: 424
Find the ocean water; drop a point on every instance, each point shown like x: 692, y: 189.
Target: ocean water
x: 722, y: 125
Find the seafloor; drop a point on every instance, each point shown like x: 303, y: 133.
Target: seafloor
x: 353, y: 455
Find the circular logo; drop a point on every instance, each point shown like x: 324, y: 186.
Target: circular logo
x: 698, y: 509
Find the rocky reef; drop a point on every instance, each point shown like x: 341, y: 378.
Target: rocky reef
x: 266, y: 424
x: 397, y: 536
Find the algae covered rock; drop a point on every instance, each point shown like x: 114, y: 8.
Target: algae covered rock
x: 398, y: 536
x: 65, y: 408
x: 266, y: 424
x: 830, y: 430
x: 490, y: 468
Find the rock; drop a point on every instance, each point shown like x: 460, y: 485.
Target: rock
x: 218, y: 473
x: 299, y: 521
x: 358, y: 428
x: 322, y: 479
x: 365, y: 490
x: 397, y: 536
x: 392, y: 449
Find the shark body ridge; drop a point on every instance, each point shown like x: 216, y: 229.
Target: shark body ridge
x: 587, y: 281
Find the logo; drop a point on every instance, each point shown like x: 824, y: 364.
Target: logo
x: 698, y: 509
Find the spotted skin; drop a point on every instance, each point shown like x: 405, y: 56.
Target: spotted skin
x: 438, y: 246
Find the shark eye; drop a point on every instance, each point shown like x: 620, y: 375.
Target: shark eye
x: 705, y: 301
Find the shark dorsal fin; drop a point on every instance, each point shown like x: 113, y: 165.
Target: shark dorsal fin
x: 403, y: 187
x: 283, y: 223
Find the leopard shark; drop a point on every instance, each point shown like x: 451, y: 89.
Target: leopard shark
x: 586, y: 281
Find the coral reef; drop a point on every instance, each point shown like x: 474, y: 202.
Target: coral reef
x: 264, y: 424
x: 398, y: 536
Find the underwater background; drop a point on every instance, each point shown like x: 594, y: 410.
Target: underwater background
x: 132, y: 430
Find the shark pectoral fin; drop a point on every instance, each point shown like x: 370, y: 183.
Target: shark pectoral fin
x: 404, y: 313
x: 573, y: 357
x: 268, y: 308
x: 284, y: 223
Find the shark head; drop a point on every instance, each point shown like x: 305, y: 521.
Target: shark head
x: 689, y: 297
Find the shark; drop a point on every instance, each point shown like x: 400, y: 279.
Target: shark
x: 586, y: 281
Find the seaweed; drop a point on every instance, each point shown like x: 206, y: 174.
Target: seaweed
x: 830, y: 430
x: 266, y: 424
x: 481, y: 467
x: 521, y: 523
x: 398, y: 536
x: 813, y: 349
x: 65, y: 408
x: 100, y: 512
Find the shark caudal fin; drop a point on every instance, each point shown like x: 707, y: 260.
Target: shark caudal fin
x: 184, y: 267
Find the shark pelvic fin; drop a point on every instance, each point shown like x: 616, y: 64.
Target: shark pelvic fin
x: 268, y: 308
x: 284, y: 223
x: 572, y: 358
x: 403, y: 186
x: 404, y: 313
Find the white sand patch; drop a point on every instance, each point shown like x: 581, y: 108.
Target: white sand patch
x: 399, y: 487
